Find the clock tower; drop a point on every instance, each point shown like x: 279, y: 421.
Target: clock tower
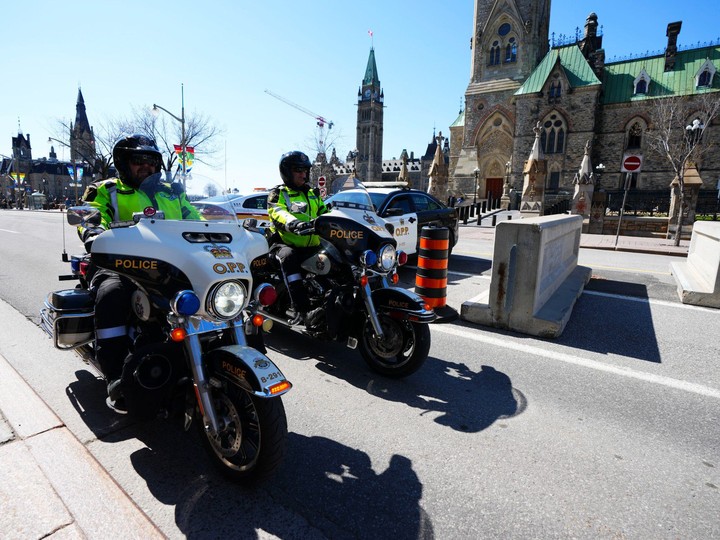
x: 370, y: 125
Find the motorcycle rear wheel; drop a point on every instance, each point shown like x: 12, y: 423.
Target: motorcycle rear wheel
x: 252, y: 440
x: 401, y: 352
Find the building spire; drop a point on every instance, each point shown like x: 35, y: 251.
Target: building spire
x: 371, y: 74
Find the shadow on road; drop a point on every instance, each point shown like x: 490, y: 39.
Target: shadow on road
x: 608, y: 325
x: 332, y: 486
x: 458, y: 397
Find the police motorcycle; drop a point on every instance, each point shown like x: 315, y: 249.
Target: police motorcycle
x: 352, y: 278
x: 196, y: 338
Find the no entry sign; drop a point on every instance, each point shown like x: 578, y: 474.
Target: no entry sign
x: 631, y: 163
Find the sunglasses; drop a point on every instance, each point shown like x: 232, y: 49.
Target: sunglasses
x: 140, y: 159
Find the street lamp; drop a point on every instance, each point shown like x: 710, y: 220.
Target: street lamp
x: 694, y: 132
x: 180, y: 119
x: 477, y: 172
x: 599, y: 169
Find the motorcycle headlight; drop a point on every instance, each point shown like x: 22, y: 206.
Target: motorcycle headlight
x: 226, y: 300
x: 386, y: 257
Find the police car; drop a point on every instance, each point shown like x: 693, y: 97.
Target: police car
x: 243, y: 206
x: 409, y: 210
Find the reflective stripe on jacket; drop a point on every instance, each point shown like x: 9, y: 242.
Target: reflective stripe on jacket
x: 280, y: 202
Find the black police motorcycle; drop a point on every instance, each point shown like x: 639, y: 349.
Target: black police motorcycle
x: 351, y: 278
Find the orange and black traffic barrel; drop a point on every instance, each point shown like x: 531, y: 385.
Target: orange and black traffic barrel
x: 431, y: 278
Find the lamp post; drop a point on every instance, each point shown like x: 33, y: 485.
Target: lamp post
x: 477, y: 173
x: 181, y: 119
x: 693, y: 133
x: 599, y: 169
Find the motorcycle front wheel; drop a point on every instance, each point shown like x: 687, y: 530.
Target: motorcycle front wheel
x: 252, y: 438
x: 403, y: 349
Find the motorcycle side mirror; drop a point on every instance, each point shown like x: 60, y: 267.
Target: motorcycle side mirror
x: 250, y: 223
x: 83, y: 215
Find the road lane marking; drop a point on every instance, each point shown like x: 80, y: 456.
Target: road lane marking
x: 654, y: 302
x: 6, y: 230
x: 583, y: 362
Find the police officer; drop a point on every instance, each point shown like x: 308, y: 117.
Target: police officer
x: 137, y: 160
x: 292, y: 208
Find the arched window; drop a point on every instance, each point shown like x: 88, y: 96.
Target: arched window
x: 555, y: 92
x: 495, y: 53
x: 511, y: 50
x: 641, y: 82
x: 552, y: 136
x: 634, y: 135
x: 705, y: 78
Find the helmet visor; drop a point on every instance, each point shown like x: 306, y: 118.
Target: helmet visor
x: 141, y: 159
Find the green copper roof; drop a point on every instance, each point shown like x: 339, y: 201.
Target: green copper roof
x: 577, y: 70
x: 459, y: 121
x: 371, y: 74
x: 619, y: 78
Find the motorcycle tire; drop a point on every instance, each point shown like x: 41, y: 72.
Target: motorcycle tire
x: 252, y: 442
x: 401, y: 352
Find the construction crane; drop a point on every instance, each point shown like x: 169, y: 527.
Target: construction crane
x: 321, y: 122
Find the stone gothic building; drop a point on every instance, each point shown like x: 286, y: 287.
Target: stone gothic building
x: 577, y: 97
x: 23, y: 174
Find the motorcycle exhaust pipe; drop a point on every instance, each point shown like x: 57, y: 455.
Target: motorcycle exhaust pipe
x: 282, y: 320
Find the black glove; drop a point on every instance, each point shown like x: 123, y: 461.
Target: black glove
x: 89, y: 235
x: 300, y: 227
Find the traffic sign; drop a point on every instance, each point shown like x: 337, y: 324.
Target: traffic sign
x: 631, y: 163
x: 323, y: 192
x: 321, y: 182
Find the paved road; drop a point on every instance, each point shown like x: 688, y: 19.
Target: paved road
x: 610, y: 431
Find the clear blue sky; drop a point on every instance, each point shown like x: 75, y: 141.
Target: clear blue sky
x: 132, y: 53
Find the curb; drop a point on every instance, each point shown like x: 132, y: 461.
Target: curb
x: 51, y: 481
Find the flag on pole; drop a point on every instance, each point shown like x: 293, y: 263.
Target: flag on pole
x: 189, y: 157
x: 370, y: 32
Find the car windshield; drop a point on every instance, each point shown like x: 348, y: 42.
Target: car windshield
x: 359, y: 200
x: 378, y: 199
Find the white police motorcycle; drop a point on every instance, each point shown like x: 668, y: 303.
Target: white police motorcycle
x: 197, y: 338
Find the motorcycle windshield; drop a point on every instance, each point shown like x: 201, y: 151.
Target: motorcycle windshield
x: 208, y: 198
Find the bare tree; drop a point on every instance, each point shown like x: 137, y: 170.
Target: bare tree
x: 317, y: 148
x: 200, y: 133
x: 676, y: 134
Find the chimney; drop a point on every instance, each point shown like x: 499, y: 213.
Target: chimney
x: 673, y: 29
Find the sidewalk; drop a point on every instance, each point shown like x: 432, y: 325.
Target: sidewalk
x: 50, y: 483
x: 638, y: 244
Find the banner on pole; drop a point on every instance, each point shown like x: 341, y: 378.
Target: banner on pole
x: 188, y: 157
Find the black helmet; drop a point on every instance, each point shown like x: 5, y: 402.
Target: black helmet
x: 135, y: 144
x: 292, y: 160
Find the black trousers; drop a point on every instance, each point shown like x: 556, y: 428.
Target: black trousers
x: 290, y: 259
x: 112, y: 312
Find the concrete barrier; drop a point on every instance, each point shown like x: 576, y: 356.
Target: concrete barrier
x: 535, y: 277
x: 698, y: 278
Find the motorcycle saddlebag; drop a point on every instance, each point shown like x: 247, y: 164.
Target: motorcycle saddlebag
x: 68, y: 317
